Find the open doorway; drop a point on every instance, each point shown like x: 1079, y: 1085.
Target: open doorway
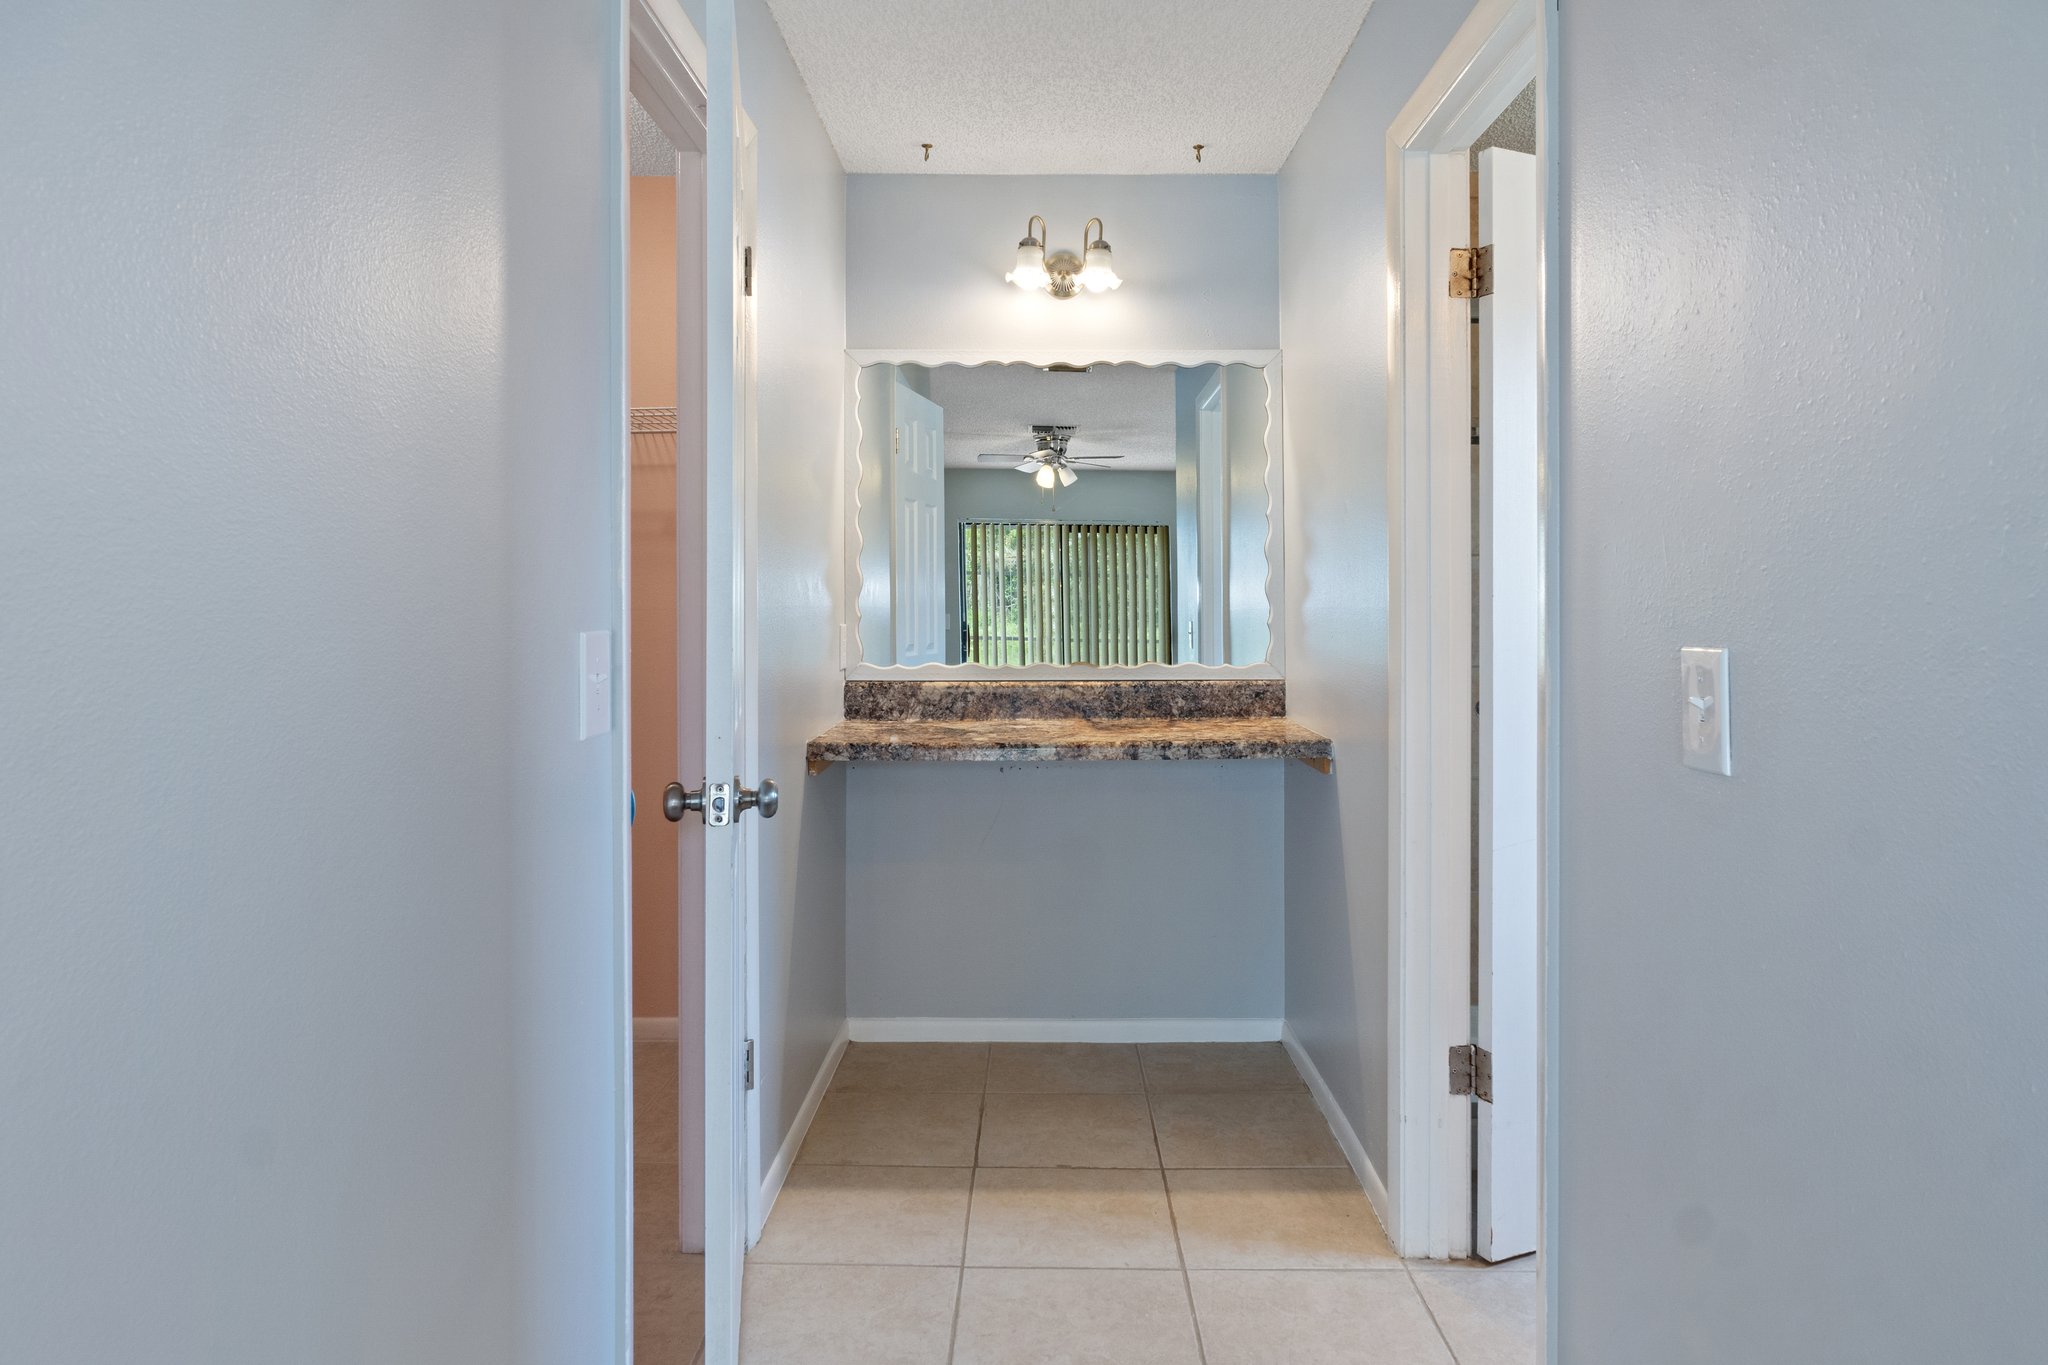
x: 1469, y: 230
x: 666, y: 677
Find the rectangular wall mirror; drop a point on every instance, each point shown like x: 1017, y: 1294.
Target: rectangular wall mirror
x: 1073, y: 517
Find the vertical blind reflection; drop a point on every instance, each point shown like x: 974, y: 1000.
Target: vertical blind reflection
x: 1051, y: 593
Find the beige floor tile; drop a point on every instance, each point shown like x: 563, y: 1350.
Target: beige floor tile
x: 1108, y: 1219
x: 668, y: 1307
x: 1075, y: 1317
x: 654, y: 1101
x: 656, y: 1214
x: 867, y: 1215
x: 1490, y: 1317
x: 1064, y: 1068
x: 1305, y: 1219
x: 1067, y: 1130
x: 1263, y: 1128
x: 1189, y: 1067
x: 846, y: 1315
x: 1314, y: 1317
x: 893, y: 1130
x: 929, y: 1068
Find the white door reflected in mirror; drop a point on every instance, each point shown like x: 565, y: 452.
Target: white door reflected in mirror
x: 1074, y: 516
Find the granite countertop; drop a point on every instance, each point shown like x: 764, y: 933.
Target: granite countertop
x: 938, y: 727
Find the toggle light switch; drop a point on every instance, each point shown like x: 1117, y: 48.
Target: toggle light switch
x: 1703, y: 709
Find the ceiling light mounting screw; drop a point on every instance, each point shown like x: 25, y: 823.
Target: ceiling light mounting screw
x: 1198, y: 152
x: 927, y: 150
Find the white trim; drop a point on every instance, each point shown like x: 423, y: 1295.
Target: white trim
x: 1268, y: 362
x: 1499, y: 49
x: 785, y: 1156
x: 1340, y: 1126
x: 651, y: 1029
x: 915, y: 1030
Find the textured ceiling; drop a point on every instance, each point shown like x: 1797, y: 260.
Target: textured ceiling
x: 1066, y: 86
x: 1122, y: 410
x: 650, y: 152
x: 1515, y: 129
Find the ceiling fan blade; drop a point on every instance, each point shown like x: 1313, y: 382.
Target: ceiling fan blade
x: 1091, y: 459
x: 1030, y: 466
x: 989, y: 457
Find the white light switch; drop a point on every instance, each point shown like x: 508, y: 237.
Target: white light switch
x: 594, y: 685
x: 1703, y: 709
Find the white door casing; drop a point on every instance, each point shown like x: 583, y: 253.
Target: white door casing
x: 1508, y: 1162
x: 918, y: 498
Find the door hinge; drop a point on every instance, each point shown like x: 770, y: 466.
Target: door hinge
x: 1471, y: 272
x: 747, y: 1065
x: 1472, y: 1071
x: 747, y: 272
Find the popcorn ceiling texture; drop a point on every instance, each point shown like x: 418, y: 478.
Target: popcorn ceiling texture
x: 649, y: 149
x: 1066, y: 86
x: 1515, y: 129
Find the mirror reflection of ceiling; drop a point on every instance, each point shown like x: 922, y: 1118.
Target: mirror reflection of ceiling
x: 1122, y: 410
x: 1064, y: 87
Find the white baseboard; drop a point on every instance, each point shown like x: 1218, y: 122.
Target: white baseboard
x: 785, y: 1156
x: 915, y: 1030
x: 653, y: 1030
x: 1340, y: 1126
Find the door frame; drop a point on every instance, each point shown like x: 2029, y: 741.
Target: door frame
x: 1502, y: 46
x: 666, y: 63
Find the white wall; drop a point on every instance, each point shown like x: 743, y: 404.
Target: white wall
x: 926, y: 255
x: 310, y: 1002
x: 925, y: 263
x: 1333, y: 327
x: 1802, y: 1007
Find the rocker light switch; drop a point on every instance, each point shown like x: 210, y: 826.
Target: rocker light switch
x: 594, y: 683
x: 1703, y: 709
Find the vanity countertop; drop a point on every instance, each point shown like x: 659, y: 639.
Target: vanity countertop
x: 934, y: 729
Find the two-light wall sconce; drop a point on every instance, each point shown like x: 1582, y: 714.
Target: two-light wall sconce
x: 1063, y: 274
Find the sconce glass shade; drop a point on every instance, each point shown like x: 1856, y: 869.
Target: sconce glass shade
x: 1067, y: 477
x: 1030, y: 271
x: 1098, y: 273
x: 1044, y: 477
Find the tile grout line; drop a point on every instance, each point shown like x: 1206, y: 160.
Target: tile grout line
x: 1430, y: 1309
x: 1187, y: 1282
x: 967, y: 1223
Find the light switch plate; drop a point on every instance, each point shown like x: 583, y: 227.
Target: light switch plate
x: 594, y: 684
x: 1703, y: 710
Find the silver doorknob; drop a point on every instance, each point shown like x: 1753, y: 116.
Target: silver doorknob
x: 678, y: 800
x: 767, y: 798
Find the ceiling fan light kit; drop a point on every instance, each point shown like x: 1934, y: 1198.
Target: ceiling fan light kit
x: 1051, y: 464
x: 1063, y: 274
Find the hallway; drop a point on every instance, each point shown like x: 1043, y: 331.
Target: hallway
x: 1177, y: 1204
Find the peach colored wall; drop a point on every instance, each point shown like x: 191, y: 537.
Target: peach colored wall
x: 652, y: 364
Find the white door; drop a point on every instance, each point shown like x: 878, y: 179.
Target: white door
x: 1509, y: 1159
x: 728, y: 846
x: 918, y: 482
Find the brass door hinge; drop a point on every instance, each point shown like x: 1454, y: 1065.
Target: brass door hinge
x: 1471, y: 272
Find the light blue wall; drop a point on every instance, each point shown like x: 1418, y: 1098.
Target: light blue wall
x: 1809, y: 430
x: 1064, y: 891
x: 1333, y: 326
x: 926, y: 256
x: 1213, y: 287
x: 308, y: 1007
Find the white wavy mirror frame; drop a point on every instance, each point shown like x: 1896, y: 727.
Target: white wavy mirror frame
x: 1054, y: 516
